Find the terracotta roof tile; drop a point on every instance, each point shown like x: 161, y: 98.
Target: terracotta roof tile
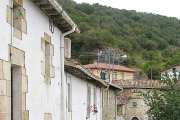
x: 103, y: 65
x: 170, y: 67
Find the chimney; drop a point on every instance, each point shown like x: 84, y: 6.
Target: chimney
x: 67, y: 48
x: 95, y: 63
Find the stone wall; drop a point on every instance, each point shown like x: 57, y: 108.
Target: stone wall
x: 5, y: 90
x: 130, y: 102
x: 108, y: 105
x: 126, y: 108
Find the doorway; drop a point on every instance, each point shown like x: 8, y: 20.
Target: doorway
x: 16, y: 93
x: 135, y: 118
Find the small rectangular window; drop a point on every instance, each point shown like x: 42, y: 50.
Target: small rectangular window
x: 121, y: 75
x: 174, y: 70
x: 134, y: 104
x: 115, y: 75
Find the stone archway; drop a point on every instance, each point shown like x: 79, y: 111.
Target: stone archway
x: 135, y: 118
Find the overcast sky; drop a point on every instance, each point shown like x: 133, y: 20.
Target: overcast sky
x: 170, y: 8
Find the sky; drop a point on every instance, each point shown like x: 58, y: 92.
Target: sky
x: 170, y: 8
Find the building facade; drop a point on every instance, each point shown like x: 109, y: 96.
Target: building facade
x: 131, y: 105
x: 117, y: 72
x: 109, y: 102
x: 84, y: 93
x: 171, y: 71
x: 31, y: 66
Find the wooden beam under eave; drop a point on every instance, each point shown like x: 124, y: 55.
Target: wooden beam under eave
x: 52, y: 13
x: 56, y: 17
x: 41, y: 1
x: 62, y: 22
x: 68, y: 28
x: 47, y: 7
x: 65, y: 25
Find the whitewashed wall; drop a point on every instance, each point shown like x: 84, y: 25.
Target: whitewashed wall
x: 79, y: 99
x: 170, y: 72
x: 41, y: 98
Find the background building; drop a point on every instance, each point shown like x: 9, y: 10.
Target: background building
x: 118, y: 72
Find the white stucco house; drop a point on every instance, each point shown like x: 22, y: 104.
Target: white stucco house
x: 88, y: 97
x: 170, y: 71
x: 32, y: 81
x: 84, y: 93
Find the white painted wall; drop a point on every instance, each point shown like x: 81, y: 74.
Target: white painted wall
x: 41, y: 98
x: 79, y: 99
x: 170, y: 72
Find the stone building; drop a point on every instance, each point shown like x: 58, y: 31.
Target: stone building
x: 131, y: 105
x: 109, y: 103
x: 32, y: 59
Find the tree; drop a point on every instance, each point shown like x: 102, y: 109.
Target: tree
x: 164, y: 105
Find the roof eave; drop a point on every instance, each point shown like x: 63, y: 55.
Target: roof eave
x: 57, y: 14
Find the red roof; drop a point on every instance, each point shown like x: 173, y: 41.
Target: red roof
x: 170, y: 67
x: 103, y: 66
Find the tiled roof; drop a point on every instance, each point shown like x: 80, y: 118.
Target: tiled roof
x: 103, y: 66
x: 74, y: 68
x: 170, y: 67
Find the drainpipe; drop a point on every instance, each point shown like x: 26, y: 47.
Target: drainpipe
x: 116, y: 94
x: 63, y: 82
x: 58, y: 7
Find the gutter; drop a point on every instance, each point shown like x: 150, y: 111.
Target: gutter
x: 59, y: 8
x: 63, y: 81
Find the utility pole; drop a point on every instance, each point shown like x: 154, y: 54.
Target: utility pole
x: 108, y: 63
x: 151, y: 72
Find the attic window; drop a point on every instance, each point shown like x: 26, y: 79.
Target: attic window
x: 174, y: 70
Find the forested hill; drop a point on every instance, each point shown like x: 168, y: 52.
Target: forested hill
x: 149, y: 40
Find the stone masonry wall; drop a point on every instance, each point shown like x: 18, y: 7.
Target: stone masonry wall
x: 108, y: 109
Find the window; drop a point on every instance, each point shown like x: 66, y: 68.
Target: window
x: 47, y: 58
x: 16, y: 91
x: 145, y: 117
x: 174, y: 70
x: 115, y: 75
x: 121, y: 75
x: 134, y: 104
x: 88, y: 102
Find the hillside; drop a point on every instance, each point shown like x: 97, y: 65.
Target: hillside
x: 149, y: 40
